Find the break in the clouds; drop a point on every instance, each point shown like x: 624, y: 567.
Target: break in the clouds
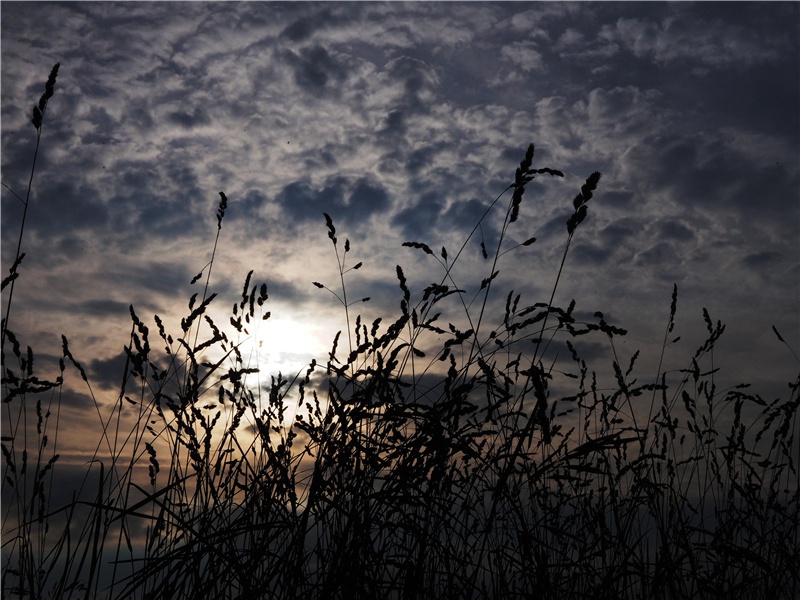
x: 403, y: 121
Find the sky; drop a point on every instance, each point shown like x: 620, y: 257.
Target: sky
x: 403, y: 121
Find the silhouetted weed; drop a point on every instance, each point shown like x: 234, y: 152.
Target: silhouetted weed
x: 443, y: 453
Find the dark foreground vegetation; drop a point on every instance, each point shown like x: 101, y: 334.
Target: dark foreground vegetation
x: 474, y: 470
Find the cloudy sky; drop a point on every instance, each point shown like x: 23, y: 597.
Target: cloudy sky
x: 403, y: 121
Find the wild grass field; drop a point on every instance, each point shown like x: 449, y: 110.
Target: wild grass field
x: 439, y: 452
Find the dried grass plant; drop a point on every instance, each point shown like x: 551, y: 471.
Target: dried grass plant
x: 358, y: 478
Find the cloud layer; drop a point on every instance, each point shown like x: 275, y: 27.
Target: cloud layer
x: 403, y: 121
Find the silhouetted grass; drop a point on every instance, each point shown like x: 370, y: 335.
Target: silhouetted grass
x: 426, y: 459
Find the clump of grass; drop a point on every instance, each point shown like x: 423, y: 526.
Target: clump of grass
x: 429, y: 459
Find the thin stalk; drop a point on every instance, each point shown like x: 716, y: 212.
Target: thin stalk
x: 38, y: 116
x: 340, y: 261
x: 550, y: 302
x: 26, y: 203
x: 223, y: 204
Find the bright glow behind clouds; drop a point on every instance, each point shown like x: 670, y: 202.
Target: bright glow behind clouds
x: 403, y: 121
x: 284, y: 345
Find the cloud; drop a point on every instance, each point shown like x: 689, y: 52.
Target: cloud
x: 108, y: 373
x: 701, y: 172
x: 301, y: 201
x: 419, y: 220
x: 352, y: 201
x: 64, y: 206
x: 569, y: 39
x: 423, y: 157
x: 573, y: 45
x: 305, y: 27
x: 367, y: 197
x: 315, y: 68
x: 402, y: 121
x: 189, y: 120
x: 524, y: 55
x: 418, y: 83
x: 761, y: 260
x: 102, y: 306
x: 675, y: 230
x: 590, y: 254
x: 683, y: 38
x: 535, y: 21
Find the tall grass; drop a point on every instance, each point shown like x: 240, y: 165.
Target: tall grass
x: 426, y: 460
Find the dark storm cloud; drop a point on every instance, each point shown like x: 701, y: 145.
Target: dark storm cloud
x: 305, y: 27
x: 463, y: 215
x: 62, y: 206
x: 659, y: 255
x: 160, y: 276
x: 103, y: 125
x: 394, y: 126
x: 18, y: 149
x: 417, y: 78
x: 315, y: 68
x: 705, y: 173
x: 417, y: 91
x: 351, y: 201
x: 588, y: 253
x: 762, y: 195
x: 423, y: 157
x: 554, y: 228
x: 189, y: 119
x: 108, y: 373
x: 770, y: 265
x: 762, y: 260
x: 367, y: 197
x: 138, y: 114
x: 419, y: 221
x: 301, y: 201
x: 145, y: 220
x: 77, y: 402
x: 618, y: 199
x: 675, y: 230
x: 619, y: 231
x: 246, y: 207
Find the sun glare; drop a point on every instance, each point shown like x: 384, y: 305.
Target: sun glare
x: 285, y: 345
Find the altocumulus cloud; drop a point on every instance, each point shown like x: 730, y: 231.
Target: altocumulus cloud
x: 403, y: 121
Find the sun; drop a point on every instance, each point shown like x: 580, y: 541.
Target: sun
x: 284, y: 344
